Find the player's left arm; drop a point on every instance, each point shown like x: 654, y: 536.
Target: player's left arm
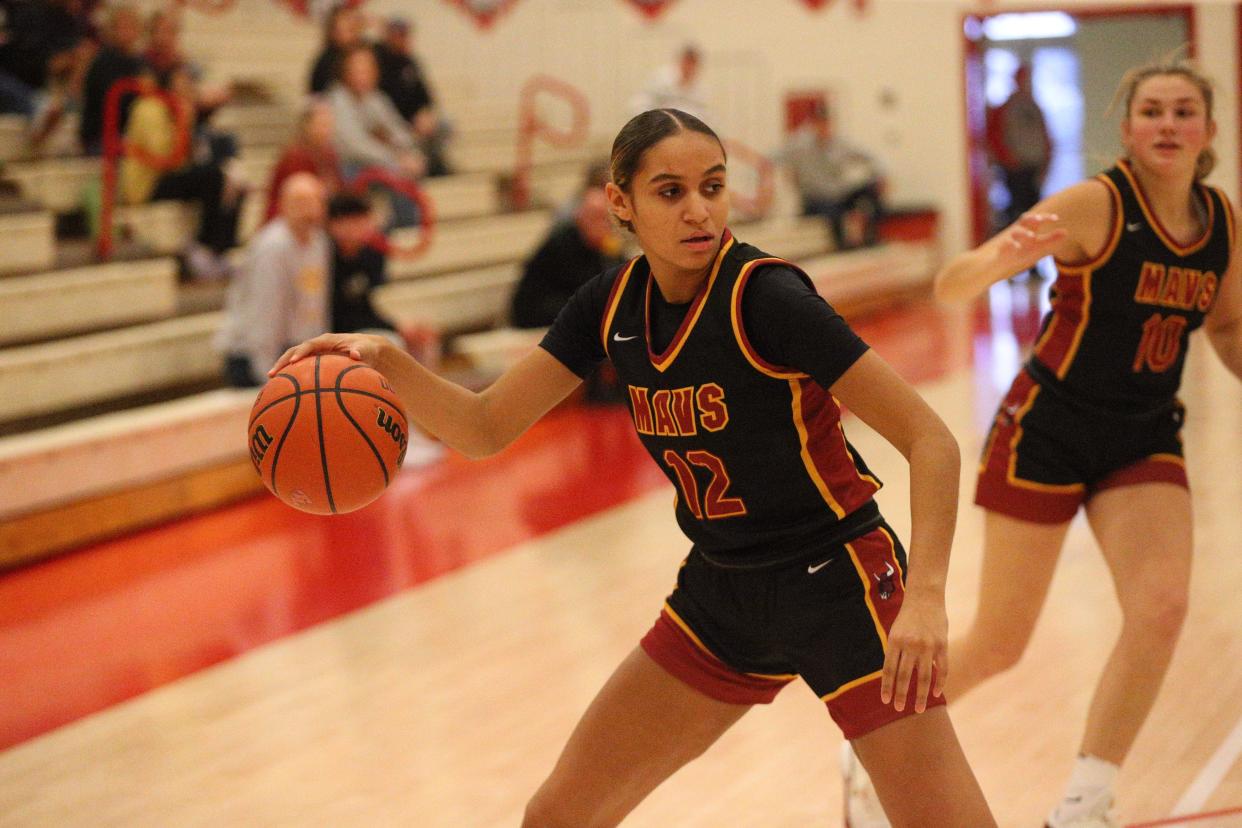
x: 1224, y: 321
x: 919, y: 636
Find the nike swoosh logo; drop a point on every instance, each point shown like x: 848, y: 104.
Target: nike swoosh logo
x: 619, y: 338
x: 1135, y: 226
x: 811, y: 570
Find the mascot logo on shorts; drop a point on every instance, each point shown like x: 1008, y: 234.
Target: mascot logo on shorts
x: 886, y: 585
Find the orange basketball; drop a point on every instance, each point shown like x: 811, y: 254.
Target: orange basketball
x: 327, y: 434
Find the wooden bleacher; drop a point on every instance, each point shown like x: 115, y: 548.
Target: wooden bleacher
x: 77, y: 300
x: 88, y: 339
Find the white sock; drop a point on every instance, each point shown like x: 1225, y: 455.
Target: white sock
x: 1090, y: 781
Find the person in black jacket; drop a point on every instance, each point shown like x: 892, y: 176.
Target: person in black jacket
x: 358, y: 266
x: 118, y: 57
x: 572, y: 253
x: 342, y: 31
x: 402, y: 79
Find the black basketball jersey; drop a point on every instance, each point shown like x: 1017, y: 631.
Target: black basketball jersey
x: 1119, y: 325
x: 756, y: 451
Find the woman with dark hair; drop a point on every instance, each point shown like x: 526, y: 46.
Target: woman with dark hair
x: 733, y: 366
x: 342, y: 31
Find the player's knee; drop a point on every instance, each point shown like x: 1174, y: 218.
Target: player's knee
x: 1002, y: 652
x: 1158, y: 614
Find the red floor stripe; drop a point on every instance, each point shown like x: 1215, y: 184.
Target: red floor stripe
x: 112, y: 621
x: 91, y: 629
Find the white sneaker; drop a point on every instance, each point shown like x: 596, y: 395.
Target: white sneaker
x: 1099, y: 815
x: 862, y: 806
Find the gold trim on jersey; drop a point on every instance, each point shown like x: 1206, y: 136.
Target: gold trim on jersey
x: 795, y: 389
x: 866, y: 585
x: 850, y: 685
x: 875, y: 616
x: 661, y: 362
x: 739, y: 332
x: 614, y: 299
x: 1230, y: 226
x: 1054, y: 330
x: 1154, y: 221
x: 1012, y: 472
x: 1114, y: 233
x: 872, y: 479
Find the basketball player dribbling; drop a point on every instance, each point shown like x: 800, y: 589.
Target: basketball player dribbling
x: 1144, y: 255
x: 734, y: 366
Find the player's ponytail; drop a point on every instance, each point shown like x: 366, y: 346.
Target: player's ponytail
x: 644, y: 131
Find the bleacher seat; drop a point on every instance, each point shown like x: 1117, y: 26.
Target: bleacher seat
x: 470, y: 243
x: 13, y: 131
x: 29, y: 235
x: 61, y: 302
x: 79, y: 370
x: 111, y: 452
x: 463, y: 300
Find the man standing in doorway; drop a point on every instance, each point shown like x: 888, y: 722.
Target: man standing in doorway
x: 1018, y: 141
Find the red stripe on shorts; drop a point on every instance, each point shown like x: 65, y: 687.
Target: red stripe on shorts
x: 671, y: 648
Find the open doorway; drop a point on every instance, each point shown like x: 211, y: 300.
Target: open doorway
x: 1076, y: 59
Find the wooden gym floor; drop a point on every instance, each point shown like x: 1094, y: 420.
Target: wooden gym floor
x: 421, y: 662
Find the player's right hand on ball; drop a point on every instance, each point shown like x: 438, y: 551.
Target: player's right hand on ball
x: 362, y: 347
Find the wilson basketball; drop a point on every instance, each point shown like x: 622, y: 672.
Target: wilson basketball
x: 327, y: 434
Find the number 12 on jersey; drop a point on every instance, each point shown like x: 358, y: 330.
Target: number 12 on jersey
x: 715, y: 502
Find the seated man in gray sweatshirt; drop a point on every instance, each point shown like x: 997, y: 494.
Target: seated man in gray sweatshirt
x: 280, y: 295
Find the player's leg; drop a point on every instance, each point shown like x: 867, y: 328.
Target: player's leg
x: 1019, y: 558
x: 1146, y: 535
x: 1145, y: 532
x: 921, y: 774
x: 642, y: 727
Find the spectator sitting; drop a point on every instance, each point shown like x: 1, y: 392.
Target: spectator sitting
x: 834, y: 179
x: 358, y: 268
x: 50, y: 134
x: 403, y: 81
x: 279, y: 296
x: 118, y: 57
x: 164, y: 54
x: 675, y: 86
x: 342, y: 31
x: 572, y: 253
x: 597, y: 175
x: 154, y: 129
x: 370, y: 132
x: 310, y: 151
x: 38, y: 39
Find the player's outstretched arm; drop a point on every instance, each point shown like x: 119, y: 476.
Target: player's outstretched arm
x: 1224, y: 322
x: 476, y: 424
x: 919, y: 636
x: 1066, y: 225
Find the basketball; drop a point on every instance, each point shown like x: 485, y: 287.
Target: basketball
x: 327, y: 434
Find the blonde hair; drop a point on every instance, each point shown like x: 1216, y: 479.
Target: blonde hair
x: 1170, y: 65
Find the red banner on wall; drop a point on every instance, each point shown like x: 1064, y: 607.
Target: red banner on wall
x: 483, y: 12
x: 651, y: 8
